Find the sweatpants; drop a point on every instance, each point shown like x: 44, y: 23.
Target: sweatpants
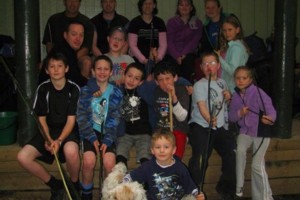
x: 260, y: 186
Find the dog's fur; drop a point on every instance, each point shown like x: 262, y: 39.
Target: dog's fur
x: 115, y: 189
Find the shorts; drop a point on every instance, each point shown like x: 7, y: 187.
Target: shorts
x: 38, y: 142
x: 87, y: 146
x: 141, y: 142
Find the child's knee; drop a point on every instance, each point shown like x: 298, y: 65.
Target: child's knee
x: 89, y: 162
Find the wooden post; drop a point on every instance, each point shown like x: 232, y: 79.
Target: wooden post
x: 284, y: 61
x: 27, y: 57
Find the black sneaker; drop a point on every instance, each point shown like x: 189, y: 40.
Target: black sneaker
x: 58, y: 195
x: 228, y: 197
x: 87, y: 196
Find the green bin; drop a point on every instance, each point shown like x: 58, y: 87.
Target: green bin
x: 8, y: 127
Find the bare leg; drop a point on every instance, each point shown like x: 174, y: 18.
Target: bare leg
x: 26, y: 158
x: 88, y: 167
x: 109, y: 161
x: 71, y: 151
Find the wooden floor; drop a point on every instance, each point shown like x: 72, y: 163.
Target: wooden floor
x: 282, y: 164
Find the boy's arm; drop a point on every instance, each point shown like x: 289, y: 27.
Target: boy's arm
x: 69, y: 126
x: 84, y: 116
x: 180, y: 104
x: 183, y: 81
x: 113, y: 117
x: 204, y: 110
x: 50, y: 144
x: 42, y: 120
x: 56, y: 144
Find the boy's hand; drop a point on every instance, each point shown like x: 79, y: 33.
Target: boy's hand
x: 171, y: 90
x: 189, y: 89
x: 227, y: 95
x: 53, y: 146
x: 48, y: 146
x: 267, y: 120
x: 103, y: 148
x: 214, y: 121
x: 200, y: 196
x: 244, y: 111
x: 218, y: 52
x: 119, y: 82
x: 97, y: 146
x: 97, y: 93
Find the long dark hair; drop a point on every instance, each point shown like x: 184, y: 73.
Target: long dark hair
x: 193, y: 11
x: 234, y: 21
x: 140, y: 6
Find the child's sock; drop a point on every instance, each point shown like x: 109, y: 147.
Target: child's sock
x: 121, y: 159
x: 77, y: 185
x: 87, y: 191
x: 55, y: 184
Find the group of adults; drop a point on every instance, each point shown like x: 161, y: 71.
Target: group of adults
x: 179, y: 41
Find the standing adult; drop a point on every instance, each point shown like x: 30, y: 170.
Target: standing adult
x: 73, y: 38
x: 211, y: 31
x: 147, y: 34
x: 184, y: 32
x: 104, y: 22
x: 56, y: 25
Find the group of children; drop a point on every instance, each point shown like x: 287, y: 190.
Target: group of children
x: 118, y: 109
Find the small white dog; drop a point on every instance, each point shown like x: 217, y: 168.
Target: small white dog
x: 115, y: 189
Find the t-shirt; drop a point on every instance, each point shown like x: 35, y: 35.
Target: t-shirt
x: 100, y: 109
x: 161, y: 105
x: 135, y: 113
x: 217, y: 102
x: 148, y: 34
x: 164, y: 183
x: 55, y: 104
x: 119, y: 65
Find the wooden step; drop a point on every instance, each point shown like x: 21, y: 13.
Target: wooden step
x: 282, y: 165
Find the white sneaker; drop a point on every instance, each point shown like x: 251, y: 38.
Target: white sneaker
x: 239, y: 192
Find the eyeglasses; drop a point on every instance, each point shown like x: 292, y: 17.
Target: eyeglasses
x: 118, y: 39
x: 212, y: 63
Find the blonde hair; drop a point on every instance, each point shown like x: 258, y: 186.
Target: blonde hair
x: 161, y: 134
x: 234, y: 21
x: 247, y: 69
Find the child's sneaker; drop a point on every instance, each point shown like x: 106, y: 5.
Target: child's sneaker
x: 58, y: 195
x: 239, y: 192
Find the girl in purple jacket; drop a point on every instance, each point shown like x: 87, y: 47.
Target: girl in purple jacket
x: 247, y: 102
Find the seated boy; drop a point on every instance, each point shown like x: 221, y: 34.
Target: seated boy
x: 55, y: 105
x: 166, y: 77
x: 165, y: 175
